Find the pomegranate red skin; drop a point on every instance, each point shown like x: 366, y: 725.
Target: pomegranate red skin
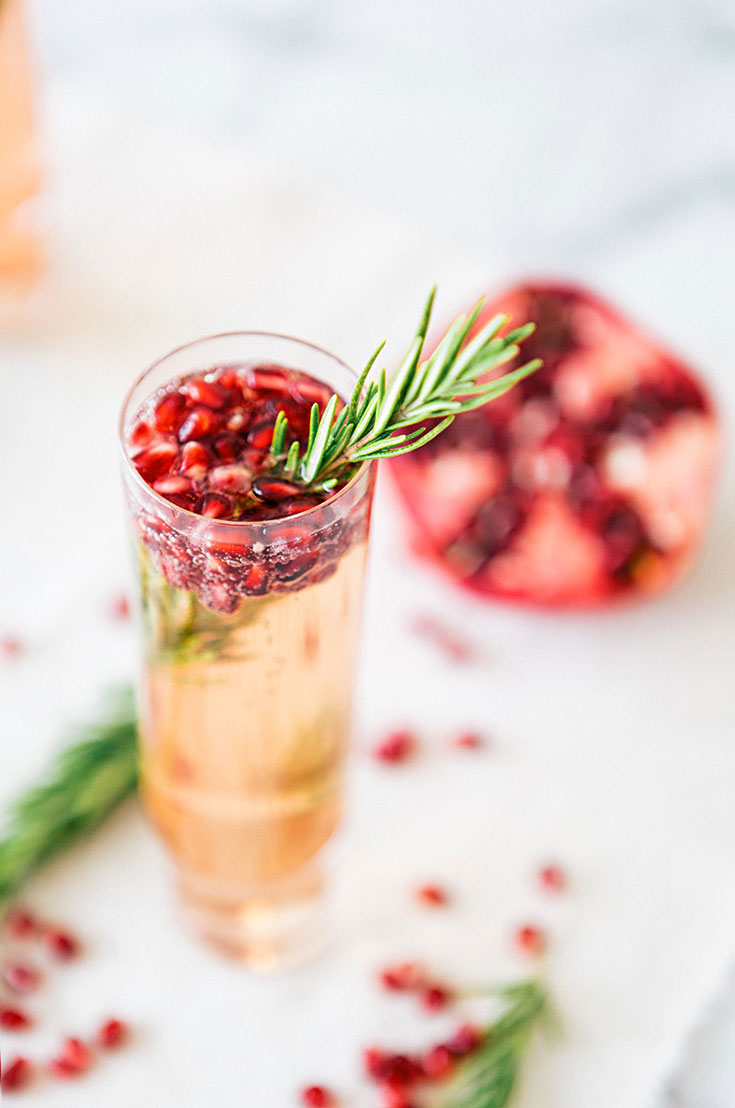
x: 589, y: 534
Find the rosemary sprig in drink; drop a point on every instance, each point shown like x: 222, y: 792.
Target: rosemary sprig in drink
x: 488, y: 1076
x: 87, y: 782
x: 382, y: 420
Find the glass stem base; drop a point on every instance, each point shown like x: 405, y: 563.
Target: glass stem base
x: 265, y: 927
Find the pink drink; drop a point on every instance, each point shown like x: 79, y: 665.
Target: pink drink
x: 250, y: 596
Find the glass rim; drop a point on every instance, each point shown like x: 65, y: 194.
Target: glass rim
x: 236, y: 523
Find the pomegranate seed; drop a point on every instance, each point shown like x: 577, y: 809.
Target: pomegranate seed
x: 74, y: 1060
x: 434, y: 998
x: 156, y: 460
x: 273, y: 489
x: 112, y: 1033
x: 12, y: 1019
x: 16, y: 1075
x: 465, y: 1039
x: 120, y: 608
x: 396, y: 747
x: 20, y: 977
x: 272, y: 380
x: 437, y: 1063
x: 208, y: 393
x: 393, y: 1096
x: 316, y: 1096
x: 199, y: 423
x: 530, y: 940
x: 261, y: 436
x: 468, y: 740
x: 434, y: 896
x: 236, y: 420
x: 400, y: 1069
x: 172, y: 484
x: 10, y: 647
x: 227, y: 447
x: 553, y: 878
x: 230, y: 478
x: 168, y: 410
x: 215, y: 506
x: 373, y: 1059
x: 61, y: 944
x: 141, y: 434
x: 402, y: 978
x: 450, y: 643
x: 195, y: 460
x: 21, y: 924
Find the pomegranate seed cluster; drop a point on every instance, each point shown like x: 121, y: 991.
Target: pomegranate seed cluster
x: 588, y: 481
x: 202, y: 444
x: 28, y: 938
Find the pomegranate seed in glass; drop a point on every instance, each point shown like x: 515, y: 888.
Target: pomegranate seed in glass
x: 19, y: 177
x: 249, y: 592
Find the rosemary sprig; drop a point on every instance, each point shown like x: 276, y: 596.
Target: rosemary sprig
x: 384, y: 419
x: 86, y: 783
x: 488, y: 1076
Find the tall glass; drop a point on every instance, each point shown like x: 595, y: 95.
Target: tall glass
x: 250, y: 633
x: 19, y: 248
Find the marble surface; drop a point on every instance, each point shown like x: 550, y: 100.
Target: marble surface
x: 581, y: 138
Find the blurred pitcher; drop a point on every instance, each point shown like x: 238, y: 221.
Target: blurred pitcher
x: 19, y: 176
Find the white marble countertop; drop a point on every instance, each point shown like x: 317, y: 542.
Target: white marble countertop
x: 581, y: 138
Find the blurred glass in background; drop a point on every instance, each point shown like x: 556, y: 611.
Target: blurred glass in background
x: 20, y: 259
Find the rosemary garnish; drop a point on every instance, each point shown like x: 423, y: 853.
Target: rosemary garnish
x: 382, y: 420
x: 86, y: 783
x: 488, y: 1076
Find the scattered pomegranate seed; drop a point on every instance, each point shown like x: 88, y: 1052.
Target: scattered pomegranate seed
x: 20, y: 923
x: 316, y: 1096
x: 450, y: 643
x: 112, y: 1034
x: 12, y: 1019
x: 530, y: 940
x: 434, y: 998
x: 396, y: 747
x: 553, y: 878
x: 403, y: 977
x: 468, y: 740
x: 465, y: 1039
x: 10, y: 647
x: 61, y: 944
x: 21, y: 977
x: 437, y: 1062
x: 16, y: 1075
x: 394, y: 1096
x: 120, y: 608
x: 373, y: 1059
x: 74, y: 1060
x: 433, y: 896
